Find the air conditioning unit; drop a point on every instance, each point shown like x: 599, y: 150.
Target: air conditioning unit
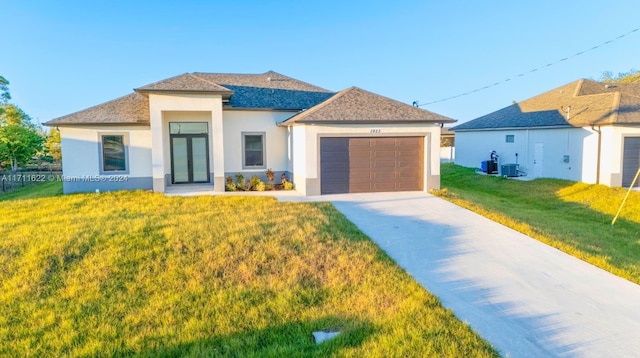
x: 509, y: 170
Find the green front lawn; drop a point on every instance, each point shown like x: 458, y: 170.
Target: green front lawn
x: 573, y: 217
x: 137, y: 273
x: 51, y: 188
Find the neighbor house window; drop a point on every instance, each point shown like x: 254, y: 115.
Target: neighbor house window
x: 510, y: 138
x: 113, y: 153
x: 253, y: 151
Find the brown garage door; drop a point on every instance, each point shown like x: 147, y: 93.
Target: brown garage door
x: 361, y: 165
x: 630, y: 160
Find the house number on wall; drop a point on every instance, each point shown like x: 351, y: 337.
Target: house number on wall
x: 375, y: 131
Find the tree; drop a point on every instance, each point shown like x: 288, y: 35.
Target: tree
x: 19, y: 137
x: 52, y: 145
x: 4, y: 90
x: 621, y: 77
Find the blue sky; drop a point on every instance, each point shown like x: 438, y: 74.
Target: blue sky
x: 64, y: 56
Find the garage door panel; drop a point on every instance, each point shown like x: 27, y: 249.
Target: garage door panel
x: 384, y: 154
x: 360, y: 155
x: 359, y: 143
x: 379, y: 142
x: 361, y: 176
x: 360, y: 164
x: 336, y: 166
x: 334, y: 143
x: 380, y: 164
x: 383, y: 176
x: 383, y: 164
x: 382, y: 187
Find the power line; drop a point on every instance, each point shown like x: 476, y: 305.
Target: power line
x: 417, y: 104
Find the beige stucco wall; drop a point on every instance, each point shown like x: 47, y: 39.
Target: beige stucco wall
x: 81, y: 153
x: 306, y: 138
x: 162, y: 108
x: 236, y: 122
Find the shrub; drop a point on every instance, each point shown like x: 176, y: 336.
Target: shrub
x: 230, y: 185
x: 241, y: 184
x: 260, y: 186
x: 254, y: 181
x: 271, y: 176
x: 288, y: 185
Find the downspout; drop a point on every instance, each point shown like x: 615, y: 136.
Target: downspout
x: 593, y: 127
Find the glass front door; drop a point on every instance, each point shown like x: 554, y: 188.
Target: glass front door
x: 189, y: 158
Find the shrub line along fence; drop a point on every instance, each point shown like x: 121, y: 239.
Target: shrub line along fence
x: 10, y: 181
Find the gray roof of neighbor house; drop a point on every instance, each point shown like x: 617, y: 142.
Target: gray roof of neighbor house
x: 269, y: 90
x: 578, y: 104
x: 355, y: 105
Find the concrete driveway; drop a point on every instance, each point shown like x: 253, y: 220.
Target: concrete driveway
x: 526, y: 298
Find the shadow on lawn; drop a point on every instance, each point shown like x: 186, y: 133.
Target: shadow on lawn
x: 285, y: 340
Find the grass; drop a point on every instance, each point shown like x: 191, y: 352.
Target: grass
x: 137, y: 273
x: 573, y: 217
x: 47, y: 189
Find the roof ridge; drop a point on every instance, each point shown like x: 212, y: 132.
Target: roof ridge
x: 166, y: 79
x: 207, y: 81
x: 576, y: 92
x: 319, y: 106
x: 615, y: 106
x: 295, y: 79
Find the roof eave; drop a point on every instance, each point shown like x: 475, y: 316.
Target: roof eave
x: 110, y: 124
x: 225, y: 94
x: 373, y: 121
x: 511, y: 128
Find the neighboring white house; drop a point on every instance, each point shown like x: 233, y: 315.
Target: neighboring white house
x: 583, y: 131
x: 203, y: 127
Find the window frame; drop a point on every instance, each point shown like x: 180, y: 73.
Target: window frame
x: 125, y: 148
x: 263, y: 135
x: 510, y: 136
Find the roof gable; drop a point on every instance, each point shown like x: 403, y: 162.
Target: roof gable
x: 355, y: 105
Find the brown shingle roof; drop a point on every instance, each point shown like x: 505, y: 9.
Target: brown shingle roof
x: 187, y: 82
x: 269, y: 90
x: 590, y: 103
x: 130, y: 109
x: 268, y: 79
x: 355, y: 105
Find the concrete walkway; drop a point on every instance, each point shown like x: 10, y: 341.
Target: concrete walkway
x: 526, y: 298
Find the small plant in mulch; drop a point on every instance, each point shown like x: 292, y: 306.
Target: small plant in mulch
x: 255, y: 183
x: 286, y: 184
x: 271, y: 176
x: 230, y: 186
x: 241, y: 183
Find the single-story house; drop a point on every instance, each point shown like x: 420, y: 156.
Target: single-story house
x: 204, y: 127
x: 584, y: 131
